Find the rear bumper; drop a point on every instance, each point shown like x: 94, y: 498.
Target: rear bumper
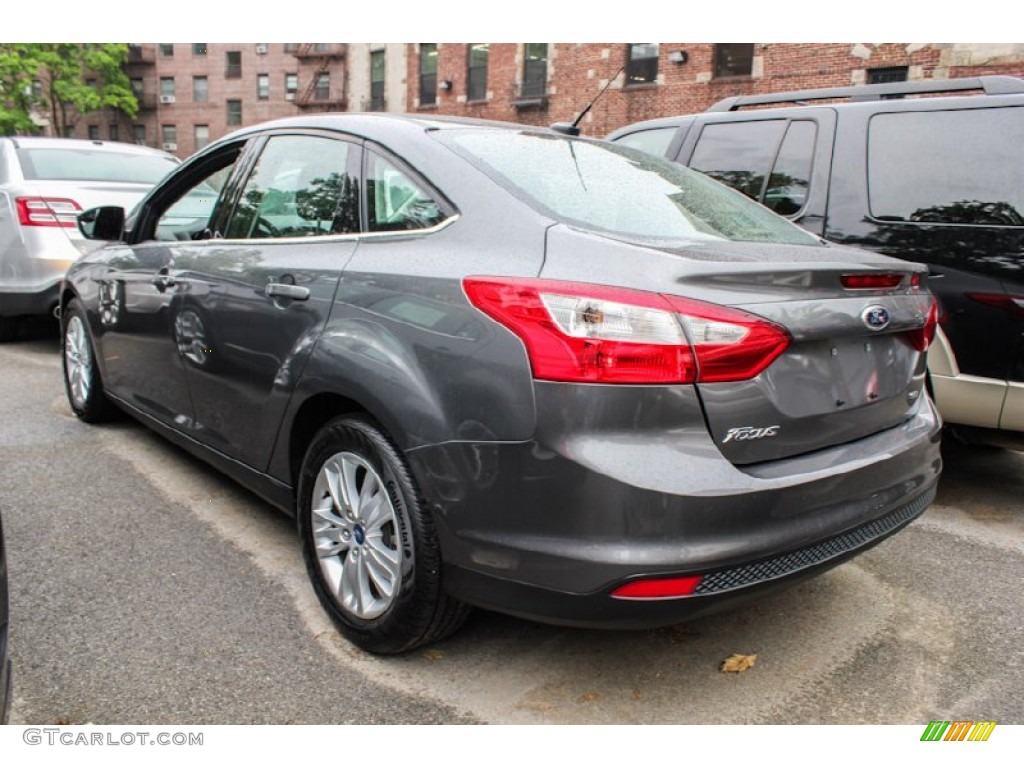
x: 546, y: 529
x: 719, y: 590
x: 42, y: 302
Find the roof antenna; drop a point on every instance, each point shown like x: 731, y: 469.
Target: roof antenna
x: 573, y: 128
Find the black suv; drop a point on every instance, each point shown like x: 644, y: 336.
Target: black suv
x: 936, y: 180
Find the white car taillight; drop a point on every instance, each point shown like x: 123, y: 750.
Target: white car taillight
x: 47, y: 211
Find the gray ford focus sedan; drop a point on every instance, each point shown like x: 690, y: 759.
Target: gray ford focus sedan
x: 491, y: 365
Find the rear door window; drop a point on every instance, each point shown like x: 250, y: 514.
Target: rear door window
x: 787, y: 188
x: 739, y: 154
x: 767, y: 160
x: 949, y: 167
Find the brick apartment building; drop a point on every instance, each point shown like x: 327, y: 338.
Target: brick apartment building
x: 541, y: 83
x: 193, y: 93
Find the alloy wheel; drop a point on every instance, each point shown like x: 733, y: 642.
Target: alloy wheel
x: 355, y: 536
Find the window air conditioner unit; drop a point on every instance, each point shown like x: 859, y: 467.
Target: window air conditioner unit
x: 170, y: 146
x: 165, y: 99
x: 261, y: 49
x: 289, y: 97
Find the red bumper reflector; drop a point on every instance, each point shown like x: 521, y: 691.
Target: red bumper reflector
x: 657, y: 589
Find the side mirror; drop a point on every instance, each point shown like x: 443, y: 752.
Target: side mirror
x: 103, y: 223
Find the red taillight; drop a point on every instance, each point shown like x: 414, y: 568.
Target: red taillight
x: 922, y: 338
x: 874, y: 280
x: 1012, y: 304
x: 593, y: 333
x: 47, y: 211
x: 657, y: 589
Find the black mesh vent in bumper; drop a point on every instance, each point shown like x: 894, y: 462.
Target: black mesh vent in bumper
x: 823, y: 551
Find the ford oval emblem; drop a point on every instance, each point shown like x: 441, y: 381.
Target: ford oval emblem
x: 876, y: 317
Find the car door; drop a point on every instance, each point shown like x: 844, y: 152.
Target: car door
x: 143, y: 283
x: 257, y: 298
x: 782, y: 160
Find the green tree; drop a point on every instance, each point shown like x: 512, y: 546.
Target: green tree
x: 51, y: 79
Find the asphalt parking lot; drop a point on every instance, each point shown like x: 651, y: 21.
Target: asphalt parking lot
x: 147, y: 588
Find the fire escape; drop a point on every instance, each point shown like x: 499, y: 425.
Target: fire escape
x: 320, y: 92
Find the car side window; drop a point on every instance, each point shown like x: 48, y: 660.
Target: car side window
x: 949, y: 167
x: 395, y: 202
x: 739, y: 154
x: 654, y: 140
x: 791, y: 176
x: 190, y: 214
x: 300, y: 187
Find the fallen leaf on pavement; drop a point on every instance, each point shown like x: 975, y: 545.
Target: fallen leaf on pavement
x: 739, y: 662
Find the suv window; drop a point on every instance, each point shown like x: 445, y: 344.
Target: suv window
x: 739, y: 154
x: 952, y: 167
x: 791, y: 175
x: 300, y: 187
x: 653, y: 140
x: 744, y: 155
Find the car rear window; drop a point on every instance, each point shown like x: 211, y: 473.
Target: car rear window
x: 88, y: 165
x: 618, y: 190
x: 949, y: 167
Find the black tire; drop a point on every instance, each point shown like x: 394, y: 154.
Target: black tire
x: 82, y: 381
x: 417, y: 611
x: 9, y: 327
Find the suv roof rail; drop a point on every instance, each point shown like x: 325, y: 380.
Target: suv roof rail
x: 990, y: 84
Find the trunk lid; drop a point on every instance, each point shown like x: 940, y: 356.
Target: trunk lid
x: 851, y: 368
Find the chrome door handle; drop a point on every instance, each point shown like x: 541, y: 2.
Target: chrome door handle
x: 285, y: 291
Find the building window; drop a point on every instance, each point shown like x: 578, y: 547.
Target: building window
x: 262, y: 87
x: 115, y: 132
x: 94, y: 132
x: 198, y: 49
x: 234, y: 111
x: 377, y: 68
x: 169, y: 137
x: 167, y: 50
x: 734, y: 59
x: 322, y: 91
x: 90, y: 82
x: 137, y: 87
x: 233, y: 64
x: 887, y: 75
x: 202, y: 136
x: 167, y: 86
x: 321, y: 47
x: 291, y: 86
x: 291, y: 47
x: 200, y: 88
x: 428, y: 74
x: 139, y: 134
x: 535, y: 70
x: 641, y: 63
x: 69, y: 131
x: 478, y: 55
